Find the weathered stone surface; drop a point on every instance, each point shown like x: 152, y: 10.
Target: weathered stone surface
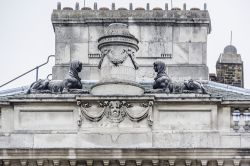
x: 186, y: 140
x: 118, y: 62
x: 229, y: 67
x: 43, y: 117
x: 184, y: 129
x: 179, y: 121
x: 22, y: 141
x: 93, y: 140
x: 173, y: 119
x: 77, y: 49
x: 231, y: 74
x: 196, y: 53
x: 224, y: 114
x: 62, y: 53
x: 116, y: 88
x: 186, y: 72
x: 230, y: 141
x: 175, y: 37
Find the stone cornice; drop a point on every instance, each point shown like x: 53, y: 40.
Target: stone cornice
x: 128, y: 154
x: 171, y: 17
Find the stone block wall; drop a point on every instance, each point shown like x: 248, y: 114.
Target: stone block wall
x: 231, y: 74
x: 172, y: 121
x: 44, y: 129
x: 177, y: 37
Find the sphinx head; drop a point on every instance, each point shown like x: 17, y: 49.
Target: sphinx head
x: 159, y: 66
x: 76, y: 66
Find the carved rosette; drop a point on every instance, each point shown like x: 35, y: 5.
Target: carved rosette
x: 115, y: 111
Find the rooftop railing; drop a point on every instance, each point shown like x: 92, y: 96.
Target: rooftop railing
x: 35, y: 68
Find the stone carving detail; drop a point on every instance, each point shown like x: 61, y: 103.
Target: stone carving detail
x: 72, y: 82
x: 163, y: 82
x: 116, y: 60
x: 115, y: 112
x: 40, y: 85
x: 131, y: 55
x: 192, y: 86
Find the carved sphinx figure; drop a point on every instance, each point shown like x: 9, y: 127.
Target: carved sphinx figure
x: 162, y: 81
x: 193, y: 86
x: 40, y: 85
x: 72, y: 81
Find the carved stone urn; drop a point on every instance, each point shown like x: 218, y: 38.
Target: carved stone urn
x: 117, y: 65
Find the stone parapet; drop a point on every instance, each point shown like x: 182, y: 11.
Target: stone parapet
x: 171, y: 17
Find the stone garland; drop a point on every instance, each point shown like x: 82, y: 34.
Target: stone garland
x: 115, y: 112
x: 118, y: 60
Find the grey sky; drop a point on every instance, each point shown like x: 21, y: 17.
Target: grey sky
x: 27, y: 37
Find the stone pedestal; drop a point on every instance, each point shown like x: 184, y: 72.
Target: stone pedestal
x: 117, y: 88
x: 118, y: 66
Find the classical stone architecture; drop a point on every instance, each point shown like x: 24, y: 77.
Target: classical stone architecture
x: 118, y: 118
x: 229, y: 67
x: 176, y: 37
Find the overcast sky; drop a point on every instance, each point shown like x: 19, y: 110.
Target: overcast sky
x: 27, y: 36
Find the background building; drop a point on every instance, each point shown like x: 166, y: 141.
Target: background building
x: 229, y: 67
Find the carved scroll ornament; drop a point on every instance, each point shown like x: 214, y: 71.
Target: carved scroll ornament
x: 115, y: 112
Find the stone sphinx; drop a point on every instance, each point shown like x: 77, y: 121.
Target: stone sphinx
x: 71, y: 82
x: 193, y: 86
x: 162, y: 81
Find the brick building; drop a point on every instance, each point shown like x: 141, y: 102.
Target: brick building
x: 229, y: 67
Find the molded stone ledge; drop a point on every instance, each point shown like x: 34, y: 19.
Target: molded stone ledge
x: 17, y: 141
x: 170, y: 155
x: 127, y: 140
x: 125, y: 161
x: 94, y: 140
x: 146, y: 14
x: 127, y: 98
x: 186, y: 140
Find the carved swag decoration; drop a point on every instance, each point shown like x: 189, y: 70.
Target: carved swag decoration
x: 115, y: 112
x: 116, y: 60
